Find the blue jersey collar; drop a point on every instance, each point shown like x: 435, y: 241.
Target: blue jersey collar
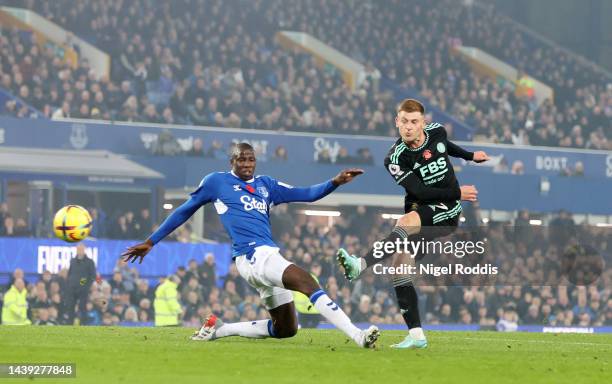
x: 252, y: 179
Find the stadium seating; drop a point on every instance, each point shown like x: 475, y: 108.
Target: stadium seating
x: 246, y: 80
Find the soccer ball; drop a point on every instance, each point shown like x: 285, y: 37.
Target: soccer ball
x: 72, y: 223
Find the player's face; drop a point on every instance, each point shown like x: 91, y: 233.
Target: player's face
x: 410, y: 125
x: 243, y: 164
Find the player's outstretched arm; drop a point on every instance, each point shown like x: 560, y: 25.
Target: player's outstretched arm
x: 456, y: 151
x: 284, y: 193
x: 177, y: 218
x: 137, y: 251
x: 346, y: 176
x: 480, y: 157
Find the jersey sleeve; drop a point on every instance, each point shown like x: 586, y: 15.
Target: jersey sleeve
x: 202, y: 195
x: 453, y: 149
x: 412, y: 184
x: 284, y: 193
x: 456, y: 151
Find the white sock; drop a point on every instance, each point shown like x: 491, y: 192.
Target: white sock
x: 253, y: 329
x: 334, y: 314
x: 416, y: 333
x: 363, y: 264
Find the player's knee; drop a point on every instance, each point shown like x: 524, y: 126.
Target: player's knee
x: 308, y: 285
x: 286, y: 331
x: 411, y: 220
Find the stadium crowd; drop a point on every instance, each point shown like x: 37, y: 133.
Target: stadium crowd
x: 222, y: 76
x: 213, y: 63
x: 126, y: 297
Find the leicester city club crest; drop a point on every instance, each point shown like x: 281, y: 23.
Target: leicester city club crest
x: 263, y: 191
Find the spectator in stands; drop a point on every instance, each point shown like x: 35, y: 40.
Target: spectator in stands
x: 8, y: 229
x: 343, y: 157
x: 280, y: 154
x: 364, y: 156
x: 143, y: 224
x: 98, y: 222
x: 362, y: 315
x: 191, y: 306
x: 43, y: 317
x: 166, y: 145
x: 207, y: 274
x: 21, y: 228
x: 198, y: 115
x: 120, y: 230
x: 150, y: 115
x: 192, y: 286
x: 41, y: 299
x: 216, y: 151
x: 197, y: 149
x: 116, y: 283
x: 142, y: 291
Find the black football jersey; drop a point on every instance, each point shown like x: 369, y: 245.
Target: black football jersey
x: 426, y: 172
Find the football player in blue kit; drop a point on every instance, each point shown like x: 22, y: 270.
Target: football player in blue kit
x: 243, y: 202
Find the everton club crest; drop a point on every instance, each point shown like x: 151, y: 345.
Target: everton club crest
x: 263, y: 191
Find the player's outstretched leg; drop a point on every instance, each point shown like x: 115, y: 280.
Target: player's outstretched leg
x: 283, y: 324
x: 407, y: 225
x: 408, y: 302
x: 296, y: 279
x: 213, y: 328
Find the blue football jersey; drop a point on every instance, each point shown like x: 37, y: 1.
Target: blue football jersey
x: 243, y: 206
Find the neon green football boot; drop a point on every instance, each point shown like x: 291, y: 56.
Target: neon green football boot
x: 410, y: 343
x: 350, y: 264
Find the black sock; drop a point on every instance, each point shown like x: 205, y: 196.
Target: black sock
x: 397, y: 233
x: 408, y: 302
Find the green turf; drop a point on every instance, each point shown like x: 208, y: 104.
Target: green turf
x: 150, y: 355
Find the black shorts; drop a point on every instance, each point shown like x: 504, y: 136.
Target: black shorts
x: 438, y: 220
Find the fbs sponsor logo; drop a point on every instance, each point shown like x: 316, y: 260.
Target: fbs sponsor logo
x: 433, y: 167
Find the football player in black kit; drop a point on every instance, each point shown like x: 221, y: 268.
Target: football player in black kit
x: 419, y: 162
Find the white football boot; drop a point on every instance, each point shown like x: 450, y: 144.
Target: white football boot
x: 208, y: 330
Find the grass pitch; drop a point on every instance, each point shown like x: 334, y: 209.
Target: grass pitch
x: 151, y: 355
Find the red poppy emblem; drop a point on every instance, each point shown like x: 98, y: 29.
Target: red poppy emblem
x: 250, y: 189
x: 427, y: 154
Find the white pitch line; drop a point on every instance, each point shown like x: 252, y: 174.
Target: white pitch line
x: 522, y: 341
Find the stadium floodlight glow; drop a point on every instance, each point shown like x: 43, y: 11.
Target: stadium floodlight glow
x: 535, y: 222
x: 312, y: 212
x: 168, y: 206
x: 392, y: 216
